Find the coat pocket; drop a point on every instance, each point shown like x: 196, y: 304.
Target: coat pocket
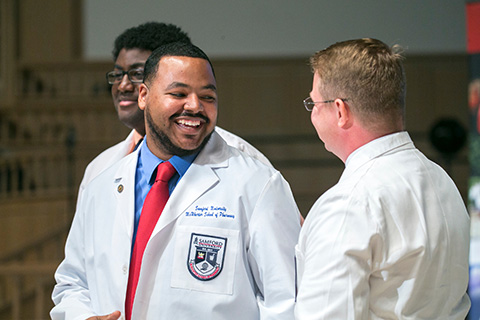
x: 205, y: 259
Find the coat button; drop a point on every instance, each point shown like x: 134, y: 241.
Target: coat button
x: 125, y: 269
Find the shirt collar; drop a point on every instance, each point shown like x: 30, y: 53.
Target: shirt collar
x: 376, y: 148
x: 150, y: 161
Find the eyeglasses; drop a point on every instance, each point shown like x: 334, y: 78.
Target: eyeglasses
x: 134, y: 75
x: 309, y: 104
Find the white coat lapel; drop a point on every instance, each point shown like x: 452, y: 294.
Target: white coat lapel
x: 123, y: 183
x: 198, y: 179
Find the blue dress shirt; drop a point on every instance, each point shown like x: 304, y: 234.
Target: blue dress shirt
x: 144, y: 179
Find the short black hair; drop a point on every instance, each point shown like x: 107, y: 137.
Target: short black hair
x: 175, y: 49
x: 148, y: 36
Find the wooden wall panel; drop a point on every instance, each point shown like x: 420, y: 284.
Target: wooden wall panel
x: 48, y: 30
x: 263, y: 97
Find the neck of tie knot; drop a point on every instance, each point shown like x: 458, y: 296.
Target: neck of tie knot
x: 165, y: 172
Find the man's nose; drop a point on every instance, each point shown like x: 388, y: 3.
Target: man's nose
x: 125, y: 84
x: 193, y: 104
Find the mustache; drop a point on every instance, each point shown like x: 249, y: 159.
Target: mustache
x: 189, y: 114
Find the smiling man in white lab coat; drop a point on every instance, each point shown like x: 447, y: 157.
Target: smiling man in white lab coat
x: 391, y: 239
x: 218, y: 194
x: 130, y: 51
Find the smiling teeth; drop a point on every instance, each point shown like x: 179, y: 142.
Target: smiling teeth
x: 189, y: 123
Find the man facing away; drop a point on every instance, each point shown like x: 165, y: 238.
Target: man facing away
x: 223, y: 246
x: 390, y: 240
x: 131, y: 50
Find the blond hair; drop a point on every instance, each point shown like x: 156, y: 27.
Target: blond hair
x: 370, y: 75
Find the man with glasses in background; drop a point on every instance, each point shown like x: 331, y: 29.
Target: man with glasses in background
x: 131, y: 50
x: 390, y: 240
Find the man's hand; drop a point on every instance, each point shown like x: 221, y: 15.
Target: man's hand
x: 112, y: 316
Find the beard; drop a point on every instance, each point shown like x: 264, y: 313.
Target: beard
x: 163, y: 142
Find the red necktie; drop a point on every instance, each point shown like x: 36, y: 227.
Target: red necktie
x: 152, y: 208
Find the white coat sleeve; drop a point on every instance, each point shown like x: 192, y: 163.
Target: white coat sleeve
x: 274, y: 229
x: 71, y: 293
x: 334, y: 257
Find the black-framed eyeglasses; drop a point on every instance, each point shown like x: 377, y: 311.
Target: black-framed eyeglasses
x: 116, y: 76
x: 309, y: 104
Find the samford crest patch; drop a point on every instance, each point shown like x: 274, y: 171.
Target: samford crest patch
x: 205, y: 256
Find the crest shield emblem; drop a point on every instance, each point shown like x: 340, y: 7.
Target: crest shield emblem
x: 206, y: 256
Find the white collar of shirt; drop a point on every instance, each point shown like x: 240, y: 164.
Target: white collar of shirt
x: 375, y: 148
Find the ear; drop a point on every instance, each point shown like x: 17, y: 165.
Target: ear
x: 344, y: 114
x: 142, y: 96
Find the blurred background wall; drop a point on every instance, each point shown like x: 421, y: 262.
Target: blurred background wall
x: 282, y: 28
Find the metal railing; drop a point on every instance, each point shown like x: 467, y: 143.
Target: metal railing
x: 63, y: 115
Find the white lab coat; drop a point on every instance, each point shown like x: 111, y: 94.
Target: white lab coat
x: 223, y: 194
x: 389, y: 241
